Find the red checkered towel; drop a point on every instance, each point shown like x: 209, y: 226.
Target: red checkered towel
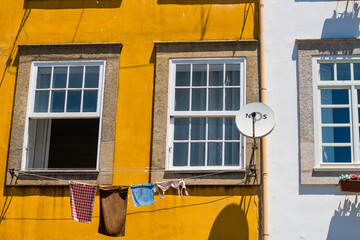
x: 82, y: 198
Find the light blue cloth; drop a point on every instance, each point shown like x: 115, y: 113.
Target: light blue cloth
x: 143, y: 194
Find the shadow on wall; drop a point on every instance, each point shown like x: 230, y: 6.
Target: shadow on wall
x: 343, y: 24
x: 231, y: 223
x: 71, y: 4
x: 345, y: 224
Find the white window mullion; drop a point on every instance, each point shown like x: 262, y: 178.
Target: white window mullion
x: 206, y: 140
x: 50, y: 88
x: 355, y: 124
x: 189, y: 143
x: 190, y: 87
x: 223, y: 142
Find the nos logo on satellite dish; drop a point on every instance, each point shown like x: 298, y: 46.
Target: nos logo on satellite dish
x: 264, y: 120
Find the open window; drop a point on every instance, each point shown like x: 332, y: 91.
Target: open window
x: 64, y: 116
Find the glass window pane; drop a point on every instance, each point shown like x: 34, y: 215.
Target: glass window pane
x: 214, y: 154
x: 198, y: 102
x: 182, y: 98
x: 232, y: 156
x: 216, y: 99
x: 336, y: 134
x: 334, y: 96
x: 197, y: 154
x: 180, y: 157
x: 356, y: 71
x: 215, y: 128
x: 76, y: 77
x: 199, y: 75
x: 343, y: 71
x: 232, y: 99
x: 60, y: 75
x: 90, y: 101
x: 57, y: 101
x: 182, y: 75
x: 335, y: 115
x: 41, y: 101
x: 92, y: 77
x: 326, y: 71
x: 336, y: 154
x: 232, y: 77
x: 181, y: 128
x: 73, y: 101
x: 198, y: 126
x: 216, y: 74
x: 43, y: 77
x: 358, y: 96
x: 231, y: 131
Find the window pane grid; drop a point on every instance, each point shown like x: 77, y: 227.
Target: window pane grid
x: 59, y: 90
x: 214, y: 94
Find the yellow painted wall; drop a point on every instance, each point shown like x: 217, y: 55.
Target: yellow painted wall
x: 44, y: 212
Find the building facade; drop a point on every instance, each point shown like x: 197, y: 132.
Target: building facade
x: 119, y: 92
x: 312, y: 56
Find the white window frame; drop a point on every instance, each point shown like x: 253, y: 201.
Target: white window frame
x: 353, y: 106
x: 172, y: 113
x: 62, y: 115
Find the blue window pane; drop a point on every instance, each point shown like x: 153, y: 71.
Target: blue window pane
x: 90, y: 101
x: 326, y: 71
x: 232, y: 99
x: 334, y: 96
x: 231, y: 131
x: 232, y: 157
x: 57, y: 101
x: 215, y: 99
x: 199, y: 75
x: 182, y: 75
x: 198, y: 102
x: 41, y: 101
x: 76, y: 77
x: 60, y: 75
x: 343, y: 71
x: 215, y: 131
x: 182, y: 97
x: 43, y: 77
x: 197, y: 154
x: 180, y: 154
x: 214, y: 154
x: 336, y: 135
x: 92, y: 77
x: 73, y: 101
x: 198, y: 126
x: 336, y: 154
x: 356, y: 71
x: 335, y: 115
x: 216, y: 74
x: 358, y: 96
x: 181, y: 128
x: 232, y: 77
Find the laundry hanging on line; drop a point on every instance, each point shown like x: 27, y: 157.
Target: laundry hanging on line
x: 82, y: 197
x: 113, y: 208
x: 176, y: 184
x: 143, y: 194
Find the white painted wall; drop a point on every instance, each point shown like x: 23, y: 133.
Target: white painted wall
x: 295, y: 211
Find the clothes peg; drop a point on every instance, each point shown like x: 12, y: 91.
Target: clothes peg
x: 151, y: 181
x: 127, y: 184
x: 71, y: 180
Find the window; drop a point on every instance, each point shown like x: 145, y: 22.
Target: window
x: 337, y: 113
x: 62, y: 129
x: 328, y: 90
x: 198, y: 89
x: 64, y: 115
x: 204, y: 97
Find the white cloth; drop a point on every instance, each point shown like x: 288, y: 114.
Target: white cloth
x: 176, y: 184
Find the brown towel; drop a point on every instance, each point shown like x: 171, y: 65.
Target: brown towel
x: 113, y: 204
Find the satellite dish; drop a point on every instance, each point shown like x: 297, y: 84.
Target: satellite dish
x: 255, y: 120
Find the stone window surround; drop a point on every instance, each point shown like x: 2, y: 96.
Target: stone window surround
x: 306, y: 50
x: 64, y: 52
x: 200, y: 49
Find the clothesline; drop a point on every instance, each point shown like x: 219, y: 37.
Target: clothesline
x: 60, y: 179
